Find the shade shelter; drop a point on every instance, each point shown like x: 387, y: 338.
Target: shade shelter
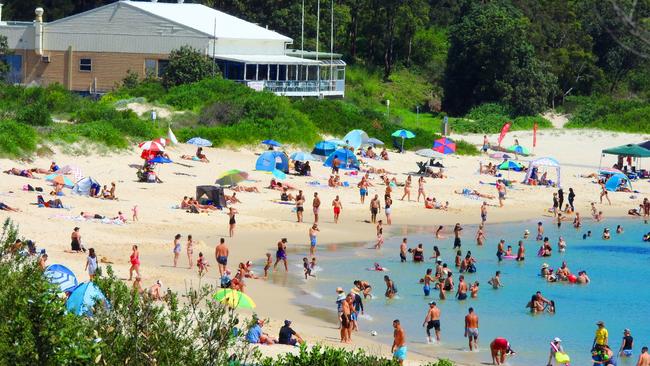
x: 323, y: 149
x: 632, y: 150
x: 543, y: 162
x: 61, y: 276
x: 84, y: 185
x: 271, y: 160
x: 356, y: 138
x: 213, y: 193
x: 616, y: 180
x: 348, y: 160
x: 83, y: 299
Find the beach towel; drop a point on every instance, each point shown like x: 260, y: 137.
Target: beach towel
x: 106, y: 221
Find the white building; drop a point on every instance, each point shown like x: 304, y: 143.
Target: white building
x: 92, y: 51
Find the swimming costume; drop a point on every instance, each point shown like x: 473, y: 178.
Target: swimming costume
x: 222, y: 259
x: 472, y: 332
x: 374, y: 210
x: 337, y: 210
x: 300, y: 209
x: 280, y: 254
x: 400, y: 353
x: 462, y: 296
x: 232, y: 220
x: 362, y: 191
x: 312, y: 239
x: 627, y: 352
x: 427, y: 290
x: 483, y: 217
x: 502, y: 195
x: 177, y: 248
x: 345, y: 321
x: 75, y: 245
x: 456, y: 242
x: 402, y: 257
x: 388, y: 210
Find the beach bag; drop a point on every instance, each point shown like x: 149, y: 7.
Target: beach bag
x: 562, y: 358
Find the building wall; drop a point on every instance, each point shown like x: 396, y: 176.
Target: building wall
x: 247, y: 47
x: 108, y: 69
x: 18, y: 36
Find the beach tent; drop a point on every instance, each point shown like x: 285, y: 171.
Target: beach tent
x: 323, y: 148
x: 356, y: 138
x: 348, y: 160
x: 61, y: 276
x: 213, y: 193
x: 271, y: 160
x: 635, y: 151
x: 645, y: 145
x: 543, y: 162
x: 615, y: 180
x: 83, y: 299
x: 83, y: 186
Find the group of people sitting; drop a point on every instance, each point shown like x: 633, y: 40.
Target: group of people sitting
x: 489, y: 169
x: 371, y: 154
x: 190, y: 204
x: 286, y: 335
x: 431, y: 203
x: 301, y: 168
x: 199, y: 156
x: 536, y: 180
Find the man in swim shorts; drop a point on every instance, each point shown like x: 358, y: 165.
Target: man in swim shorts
x: 471, y: 329
x: 457, y: 230
x: 402, y: 250
x: 221, y: 254
x: 399, y: 343
x: 316, y: 206
x: 432, y: 321
x: 462, y: 288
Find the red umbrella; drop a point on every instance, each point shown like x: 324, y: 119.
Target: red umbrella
x: 444, y: 146
x: 151, y: 146
x: 161, y: 140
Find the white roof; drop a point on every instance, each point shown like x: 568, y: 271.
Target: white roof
x: 202, y: 19
x: 267, y: 59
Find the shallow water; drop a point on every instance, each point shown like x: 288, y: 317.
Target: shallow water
x: 618, y: 293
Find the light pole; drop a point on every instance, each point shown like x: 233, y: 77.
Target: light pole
x: 417, y: 115
x: 388, y: 110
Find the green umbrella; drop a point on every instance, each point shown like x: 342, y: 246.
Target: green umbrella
x: 234, y: 299
x: 231, y: 177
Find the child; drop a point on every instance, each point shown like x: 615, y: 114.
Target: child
x: 307, y: 267
x: 202, y: 264
x: 312, y: 265
x: 267, y: 265
x: 135, y: 213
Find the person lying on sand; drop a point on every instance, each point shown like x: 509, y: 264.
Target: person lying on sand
x: 194, y: 158
x: 285, y: 196
x: 246, y: 189
x: 40, y: 171
x: 195, y: 203
x: 20, y: 172
x: 374, y: 170
x: 431, y: 203
x: 440, y: 174
x: 5, y: 207
x: 635, y: 211
x: 279, y: 186
x: 473, y: 192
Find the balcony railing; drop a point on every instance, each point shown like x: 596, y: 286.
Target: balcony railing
x: 301, y: 87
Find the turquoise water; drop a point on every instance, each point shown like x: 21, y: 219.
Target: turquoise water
x: 618, y: 293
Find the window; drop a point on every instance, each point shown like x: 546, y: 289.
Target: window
x: 150, y: 67
x: 85, y: 65
x: 162, y: 66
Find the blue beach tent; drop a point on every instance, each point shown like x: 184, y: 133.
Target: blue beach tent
x: 356, y: 138
x: 324, y: 148
x: 615, y: 180
x: 271, y: 160
x: 348, y: 160
x: 61, y: 276
x: 83, y: 299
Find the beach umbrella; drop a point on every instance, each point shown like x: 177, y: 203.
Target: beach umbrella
x: 73, y: 170
x: 234, y: 299
x: 404, y: 134
x: 429, y: 153
x: 197, y: 141
x: 355, y: 138
x: 500, y: 156
x: 609, y: 171
x: 271, y: 143
x: 302, y: 156
x: 160, y: 160
x: 518, y: 149
x: 279, y: 174
x: 338, y: 142
x: 231, y: 177
x: 444, y: 146
x: 374, y: 142
x: 60, y: 179
x: 83, y: 299
x: 151, y: 146
x: 161, y: 140
x: 510, y: 165
x: 61, y: 276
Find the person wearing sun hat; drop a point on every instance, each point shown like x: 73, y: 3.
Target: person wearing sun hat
x: 557, y: 354
x: 340, y: 297
x: 627, y: 344
x: 602, y: 335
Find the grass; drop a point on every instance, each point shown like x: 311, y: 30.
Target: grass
x: 607, y: 113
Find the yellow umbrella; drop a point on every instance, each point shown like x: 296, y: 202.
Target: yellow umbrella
x: 234, y: 299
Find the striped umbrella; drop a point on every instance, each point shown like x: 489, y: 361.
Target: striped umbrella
x: 231, y: 178
x: 61, y: 276
x: 151, y: 146
x: 60, y: 179
x: 198, y: 141
x: 444, y: 146
x: 161, y: 140
x: 234, y: 299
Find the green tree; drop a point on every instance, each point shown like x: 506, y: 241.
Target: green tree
x: 187, y: 65
x: 4, y: 50
x: 491, y: 60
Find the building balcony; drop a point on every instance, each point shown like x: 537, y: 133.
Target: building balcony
x: 301, y: 88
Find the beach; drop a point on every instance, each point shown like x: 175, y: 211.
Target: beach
x: 262, y: 221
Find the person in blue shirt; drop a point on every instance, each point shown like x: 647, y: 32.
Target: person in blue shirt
x: 256, y: 336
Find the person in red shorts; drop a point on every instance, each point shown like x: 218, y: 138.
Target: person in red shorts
x: 499, y: 348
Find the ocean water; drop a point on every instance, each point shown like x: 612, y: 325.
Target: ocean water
x: 618, y: 293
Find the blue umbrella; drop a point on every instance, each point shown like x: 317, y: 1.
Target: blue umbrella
x: 337, y: 142
x: 271, y: 143
x: 61, y: 276
x: 199, y: 142
x: 160, y: 160
x: 83, y: 299
x: 373, y: 141
x: 302, y: 156
x: 405, y: 134
x: 511, y: 165
x: 279, y: 174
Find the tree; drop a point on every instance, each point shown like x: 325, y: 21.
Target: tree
x: 4, y: 50
x: 187, y: 65
x: 491, y: 60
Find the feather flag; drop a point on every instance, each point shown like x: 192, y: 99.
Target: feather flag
x: 171, y: 136
x: 535, y: 134
x: 504, y: 130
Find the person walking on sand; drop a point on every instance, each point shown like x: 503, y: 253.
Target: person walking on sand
x: 281, y: 255
x: 501, y: 189
x: 375, y: 206
x: 380, y: 235
x: 300, y: 201
x: 177, y: 248
x: 91, y: 263
x: 432, y: 321
x: 571, y: 197
x: 388, y: 202
x: 399, y: 343
x: 190, y: 251
x: 232, y: 222
x: 316, y: 206
x: 363, y: 189
x: 603, y: 192
x: 471, y: 329
x: 313, y: 231
x: 483, y: 212
x: 338, y: 206
x: 421, y: 188
x: 135, y: 262
x: 407, y: 189
x: 221, y: 253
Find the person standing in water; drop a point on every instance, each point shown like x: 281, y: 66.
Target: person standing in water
x: 480, y: 235
x: 461, y: 294
x: 432, y: 321
x: 457, y: 230
x: 391, y: 291
x: 403, y: 248
x: 380, y: 235
x: 644, y: 357
x: 471, y: 329
x: 313, y: 230
x: 521, y: 251
x: 428, y: 278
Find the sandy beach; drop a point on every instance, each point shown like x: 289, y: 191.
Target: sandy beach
x: 261, y: 221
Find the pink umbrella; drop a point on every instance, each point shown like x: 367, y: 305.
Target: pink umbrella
x: 151, y: 146
x: 500, y: 155
x: 161, y: 140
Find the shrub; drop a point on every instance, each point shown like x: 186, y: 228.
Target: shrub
x: 187, y: 65
x: 17, y: 139
x: 35, y: 114
x: 490, y: 117
x: 607, y: 113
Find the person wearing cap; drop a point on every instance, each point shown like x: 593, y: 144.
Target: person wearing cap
x: 499, y: 348
x: 288, y: 335
x: 556, y: 348
x: 627, y: 344
x: 602, y: 335
x: 256, y: 336
x: 432, y: 321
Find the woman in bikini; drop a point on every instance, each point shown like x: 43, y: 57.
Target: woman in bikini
x: 190, y: 251
x: 421, y: 188
x: 177, y: 248
x: 407, y: 189
x: 480, y: 235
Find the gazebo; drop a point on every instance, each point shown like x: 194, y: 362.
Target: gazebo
x: 543, y: 162
x: 632, y: 150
